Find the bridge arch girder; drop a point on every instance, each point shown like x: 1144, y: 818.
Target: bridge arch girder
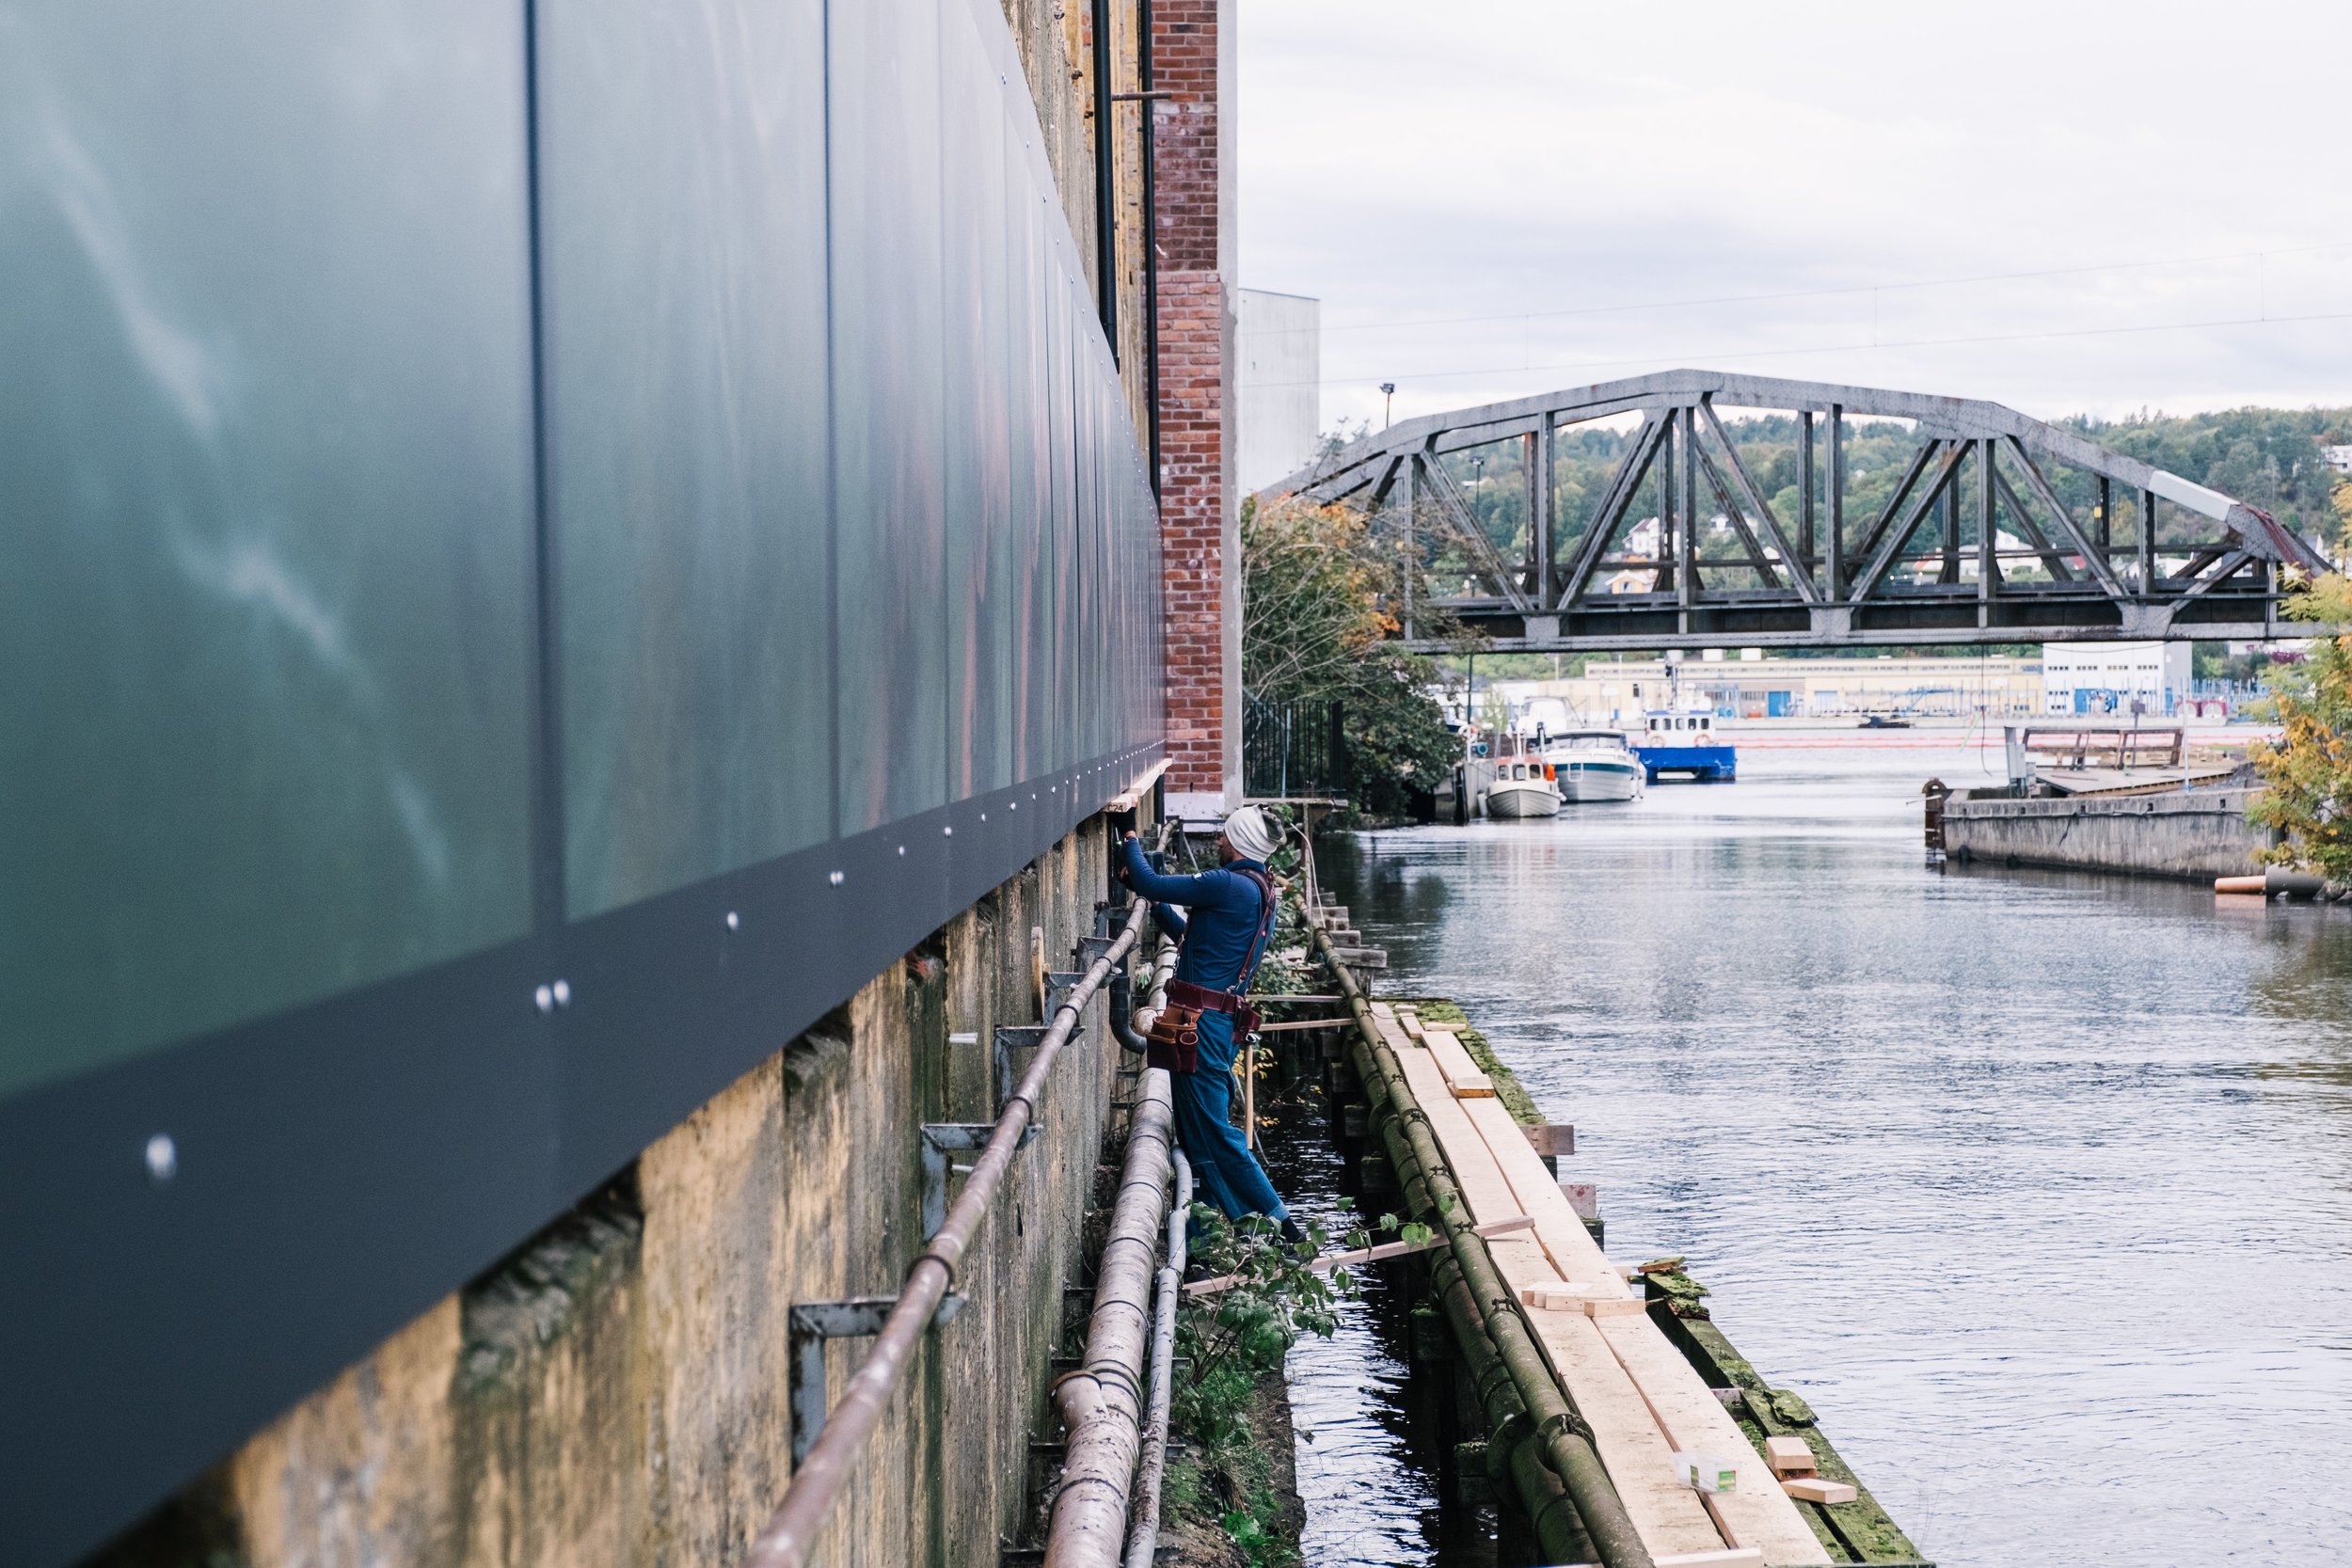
x: 2009, y: 560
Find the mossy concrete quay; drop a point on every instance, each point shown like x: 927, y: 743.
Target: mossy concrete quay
x: 1518, y: 1470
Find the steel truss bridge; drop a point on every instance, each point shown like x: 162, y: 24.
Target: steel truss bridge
x: 1996, y: 528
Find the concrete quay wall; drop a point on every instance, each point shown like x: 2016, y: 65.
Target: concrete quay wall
x: 615, y: 1392
x: 2198, y: 833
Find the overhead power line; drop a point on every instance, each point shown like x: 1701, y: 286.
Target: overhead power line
x: 1682, y: 356
x: 1835, y: 291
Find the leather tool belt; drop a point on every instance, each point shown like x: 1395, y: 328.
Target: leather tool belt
x: 1175, y: 1037
x: 1174, y: 1042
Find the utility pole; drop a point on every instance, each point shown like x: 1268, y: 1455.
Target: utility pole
x: 1387, y: 403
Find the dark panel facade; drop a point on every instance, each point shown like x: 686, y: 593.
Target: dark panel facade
x: 684, y: 262
x: 540, y: 548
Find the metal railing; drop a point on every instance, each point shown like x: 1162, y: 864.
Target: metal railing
x: 1289, y: 749
x: 2105, y: 746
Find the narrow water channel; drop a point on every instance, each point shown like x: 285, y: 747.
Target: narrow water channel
x: 2038, y: 1185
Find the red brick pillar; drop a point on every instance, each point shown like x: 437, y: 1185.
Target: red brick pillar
x: 1192, y: 43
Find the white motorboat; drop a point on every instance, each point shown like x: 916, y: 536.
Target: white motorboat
x: 1593, y: 765
x: 1522, y: 787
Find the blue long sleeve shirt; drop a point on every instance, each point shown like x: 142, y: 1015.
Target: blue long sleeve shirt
x: 1224, y: 921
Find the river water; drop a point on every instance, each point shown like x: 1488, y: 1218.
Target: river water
x: 2037, y: 1185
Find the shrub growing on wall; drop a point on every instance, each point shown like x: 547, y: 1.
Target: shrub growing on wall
x: 2307, y: 774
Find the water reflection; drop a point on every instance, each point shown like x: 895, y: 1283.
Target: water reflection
x: 2007, y: 1171
x: 1370, y: 1452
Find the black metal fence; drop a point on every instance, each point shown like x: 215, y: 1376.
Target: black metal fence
x: 1289, y: 749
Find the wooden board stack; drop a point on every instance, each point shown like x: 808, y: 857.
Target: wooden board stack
x: 1642, y: 1400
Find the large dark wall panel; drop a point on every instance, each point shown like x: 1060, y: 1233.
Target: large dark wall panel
x: 541, y: 548
x: 682, y: 190
x: 265, y: 512
x: 980, y: 325
x: 889, y: 409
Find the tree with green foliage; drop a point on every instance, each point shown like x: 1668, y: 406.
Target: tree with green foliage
x: 1316, y: 623
x: 2306, y: 773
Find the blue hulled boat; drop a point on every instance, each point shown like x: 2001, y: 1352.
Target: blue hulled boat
x: 1674, y: 742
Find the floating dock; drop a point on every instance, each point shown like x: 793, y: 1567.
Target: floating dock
x: 1615, y: 1410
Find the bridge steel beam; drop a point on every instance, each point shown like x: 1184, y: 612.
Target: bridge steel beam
x: 1823, y: 587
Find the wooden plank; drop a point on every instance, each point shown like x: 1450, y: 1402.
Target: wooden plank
x: 1480, y: 1179
x: 1667, y: 1514
x: 1553, y: 1139
x: 1453, y: 1057
x: 1537, y: 1191
x: 1131, y: 796
x: 1523, y: 1266
x: 1758, y: 1514
x: 1326, y: 1262
x: 1497, y: 1172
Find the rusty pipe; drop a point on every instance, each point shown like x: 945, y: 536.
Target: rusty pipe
x: 1102, y: 1403
x: 1143, y: 1534
x: 790, y: 1534
x: 2270, y: 883
x: 1156, y: 987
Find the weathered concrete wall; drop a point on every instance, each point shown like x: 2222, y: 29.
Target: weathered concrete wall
x: 615, y: 1393
x: 2198, y: 833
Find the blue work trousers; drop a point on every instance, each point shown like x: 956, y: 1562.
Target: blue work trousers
x: 1227, y: 1172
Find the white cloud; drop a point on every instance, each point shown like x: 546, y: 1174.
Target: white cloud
x: 1507, y: 160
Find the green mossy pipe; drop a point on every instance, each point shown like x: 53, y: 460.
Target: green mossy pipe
x: 1513, y: 1451
x: 1565, y: 1446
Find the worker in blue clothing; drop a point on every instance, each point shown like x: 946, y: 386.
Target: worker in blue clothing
x: 1195, y: 1036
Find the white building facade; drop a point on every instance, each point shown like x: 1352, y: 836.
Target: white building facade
x: 2095, y: 679
x: 1277, y: 371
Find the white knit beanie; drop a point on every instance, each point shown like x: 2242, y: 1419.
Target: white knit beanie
x: 1248, y: 831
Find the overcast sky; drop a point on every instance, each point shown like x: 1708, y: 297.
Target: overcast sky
x: 1494, y: 197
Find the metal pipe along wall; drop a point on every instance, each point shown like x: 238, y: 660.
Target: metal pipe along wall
x: 1143, y: 1535
x: 1102, y: 1403
x: 790, y: 1535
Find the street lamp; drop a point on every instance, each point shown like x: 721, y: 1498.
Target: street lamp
x: 1387, y: 395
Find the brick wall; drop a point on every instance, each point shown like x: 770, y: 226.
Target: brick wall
x: 1192, y: 47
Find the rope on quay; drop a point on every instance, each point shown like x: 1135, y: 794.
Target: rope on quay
x: 790, y: 1537
x: 1557, y: 1429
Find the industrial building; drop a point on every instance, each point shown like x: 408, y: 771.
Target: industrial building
x: 1746, y: 685
x: 2114, y: 677
x: 1278, y: 366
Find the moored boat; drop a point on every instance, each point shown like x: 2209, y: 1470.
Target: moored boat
x: 1593, y: 765
x: 1523, y: 788
x: 1676, y: 742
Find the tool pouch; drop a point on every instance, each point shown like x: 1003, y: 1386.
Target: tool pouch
x: 1174, y: 1042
